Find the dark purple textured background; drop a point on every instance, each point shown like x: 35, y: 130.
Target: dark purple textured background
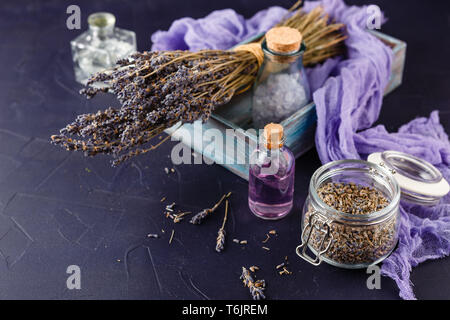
x: 59, y: 209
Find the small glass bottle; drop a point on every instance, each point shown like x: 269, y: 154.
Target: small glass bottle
x: 101, y: 46
x: 281, y: 87
x: 271, y: 176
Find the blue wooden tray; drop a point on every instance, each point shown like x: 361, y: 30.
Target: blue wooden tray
x: 299, y: 127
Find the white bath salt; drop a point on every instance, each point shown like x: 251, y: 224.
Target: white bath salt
x: 278, y: 97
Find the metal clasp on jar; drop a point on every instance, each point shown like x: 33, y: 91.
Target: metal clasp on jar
x: 382, y: 164
x: 322, y: 225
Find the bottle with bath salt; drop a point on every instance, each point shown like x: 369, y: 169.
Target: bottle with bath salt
x: 271, y: 176
x: 281, y: 87
x: 101, y: 46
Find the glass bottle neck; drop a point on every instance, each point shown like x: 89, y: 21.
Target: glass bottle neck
x: 101, y: 24
x: 271, y: 151
x: 271, y: 148
x: 102, y: 32
x: 283, y: 58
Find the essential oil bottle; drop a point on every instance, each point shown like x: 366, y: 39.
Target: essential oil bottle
x: 101, y: 46
x: 271, y: 176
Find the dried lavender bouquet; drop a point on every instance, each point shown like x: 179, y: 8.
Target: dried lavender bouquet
x: 156, y: 90
x: 160, y: 89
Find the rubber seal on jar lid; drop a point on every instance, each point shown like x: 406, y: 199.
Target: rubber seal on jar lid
x: 419, y: 180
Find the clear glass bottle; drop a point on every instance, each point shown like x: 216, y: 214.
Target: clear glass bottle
x: 101, y: 46
x: 281, y: 87
x: 271, y: 176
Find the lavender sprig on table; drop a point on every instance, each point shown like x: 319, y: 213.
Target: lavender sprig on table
x: 256, y: 287
x: 199, y: 217
x: 220, y: 241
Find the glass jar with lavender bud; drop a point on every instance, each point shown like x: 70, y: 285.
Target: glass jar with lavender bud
x: 351, y: 215
x: 101, y: 46
x: 281, y: 87
x: 271, y: 176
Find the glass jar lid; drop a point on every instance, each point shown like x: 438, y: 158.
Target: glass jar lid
x: 420, y: 181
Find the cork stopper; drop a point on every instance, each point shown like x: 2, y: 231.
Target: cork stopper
x: 283, y: 39
x: 273, y: 135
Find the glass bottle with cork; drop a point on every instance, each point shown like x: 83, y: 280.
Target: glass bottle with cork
x: 281, y: 87
x: 271, y: 176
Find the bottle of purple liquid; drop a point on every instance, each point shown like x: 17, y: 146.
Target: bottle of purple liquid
x: 271, y: 176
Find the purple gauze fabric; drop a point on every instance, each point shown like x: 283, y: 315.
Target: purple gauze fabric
x: 348, y: 96
x: 424, y: 231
